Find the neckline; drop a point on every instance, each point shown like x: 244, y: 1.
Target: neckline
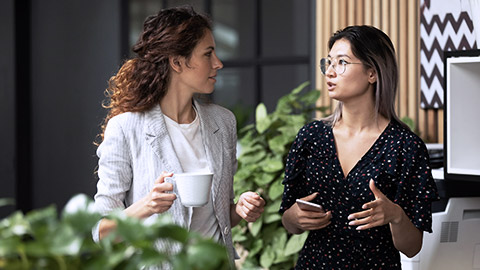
x: 368, y: 154
x: 187, y: 125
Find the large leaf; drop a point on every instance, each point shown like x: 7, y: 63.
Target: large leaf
x: 295, y: 243
x: 272, y: 165
x: 262, y: 120
x: 275, y: 190
x: 267, y: 257
x: 263, y: 179
x: 255, y: 227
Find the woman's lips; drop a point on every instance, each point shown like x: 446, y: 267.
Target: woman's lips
x: 330, y: 86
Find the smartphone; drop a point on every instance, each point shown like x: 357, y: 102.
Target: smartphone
x: 309, y: 206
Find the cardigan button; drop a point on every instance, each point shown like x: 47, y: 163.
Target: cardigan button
x: 226, y: 231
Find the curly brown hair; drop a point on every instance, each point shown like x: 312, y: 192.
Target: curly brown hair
x: 142, y: 81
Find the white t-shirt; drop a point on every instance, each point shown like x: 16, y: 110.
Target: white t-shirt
x: 188, y: 145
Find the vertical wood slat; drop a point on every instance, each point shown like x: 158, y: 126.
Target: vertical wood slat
x: 394, y: 35
x: 351, y: 12
x: 402, y: 63
x: 413, y: 57
x: 368, y: 12
x: 359, y: 14
x: 386, y: 16
x: 342, y: 18
x: 377, y: 15
x: 400, y: 20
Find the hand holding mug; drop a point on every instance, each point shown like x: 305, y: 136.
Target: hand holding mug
x: 159, y: 199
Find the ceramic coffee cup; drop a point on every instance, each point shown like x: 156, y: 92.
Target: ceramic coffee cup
x: 193, y: 188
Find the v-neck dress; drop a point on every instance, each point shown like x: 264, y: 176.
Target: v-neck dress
x: 398, y: 162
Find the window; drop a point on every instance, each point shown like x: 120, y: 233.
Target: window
x: 266, y: 46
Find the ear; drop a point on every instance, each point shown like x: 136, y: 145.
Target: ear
x: 372, y: 76
x: 175, y: 63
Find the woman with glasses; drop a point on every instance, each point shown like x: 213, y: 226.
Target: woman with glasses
x: 155, y: 127
x: 362, y: 165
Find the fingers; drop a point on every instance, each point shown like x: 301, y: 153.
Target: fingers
x: 250, y: 206
x: 310, y: 197
x: 161, y: 178
x: 375, y: 190
x: 315, y: 222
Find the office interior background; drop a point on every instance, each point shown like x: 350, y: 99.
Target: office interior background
x: 57, y: 57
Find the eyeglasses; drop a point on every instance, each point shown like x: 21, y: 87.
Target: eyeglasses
x: 338, y: 65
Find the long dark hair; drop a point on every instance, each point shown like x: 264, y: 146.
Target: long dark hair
x: 375, y: 50
x: 142, y: 81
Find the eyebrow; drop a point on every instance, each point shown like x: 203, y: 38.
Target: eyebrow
x: 340, y: 55
x: 209, y: 48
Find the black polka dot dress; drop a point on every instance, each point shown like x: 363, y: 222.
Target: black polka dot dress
x: 397, y: 162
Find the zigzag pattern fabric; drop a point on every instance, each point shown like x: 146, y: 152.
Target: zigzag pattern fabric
x: 445, y: 25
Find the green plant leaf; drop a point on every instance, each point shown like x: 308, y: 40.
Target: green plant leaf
x: 277, y: 144
x: 206, y: 254
x: 255, y: 227
x: 262, y: 121
x: 299, y: 88
x: 264, y: 178
x: 269, y: 218
x: 271, y: 165
x: 273, y: 207
x: 256, y: 247
x: 267, y: 257
x: 295, y: 243
x: 275, y: 190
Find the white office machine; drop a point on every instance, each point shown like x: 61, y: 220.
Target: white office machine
x: 455, y: 241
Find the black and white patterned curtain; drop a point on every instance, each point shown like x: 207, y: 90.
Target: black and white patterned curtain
x: 445, y: 25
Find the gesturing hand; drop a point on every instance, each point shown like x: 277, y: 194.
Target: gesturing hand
x: 158, y: 200
x: 250, y: 206
x: 379, y: 212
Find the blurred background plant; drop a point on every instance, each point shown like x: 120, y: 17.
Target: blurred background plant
x: 261, y: 165
x: 42, y: 240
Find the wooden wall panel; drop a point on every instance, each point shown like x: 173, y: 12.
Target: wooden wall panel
x: 399, y: 19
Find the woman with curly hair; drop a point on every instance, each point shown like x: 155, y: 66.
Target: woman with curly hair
x: 155, y: 127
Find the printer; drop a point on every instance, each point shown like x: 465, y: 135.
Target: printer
x: 455, y: 241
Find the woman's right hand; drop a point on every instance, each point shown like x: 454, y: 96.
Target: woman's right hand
x: 296, y: 220
x: 159, y: 199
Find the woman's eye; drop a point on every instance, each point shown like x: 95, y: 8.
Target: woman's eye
x: 342, y: 62
x: 209, y: 54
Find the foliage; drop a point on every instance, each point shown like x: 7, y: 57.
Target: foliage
x: 264, y: 147
x: 411, y: 124
x: 41, y: 240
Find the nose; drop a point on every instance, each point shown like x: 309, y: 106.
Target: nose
x: 217, y: 64
x: 330, y: 70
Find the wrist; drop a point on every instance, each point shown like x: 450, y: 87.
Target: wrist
x: 399, y: 215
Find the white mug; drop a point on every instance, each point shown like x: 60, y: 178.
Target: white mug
x: 193, y: 188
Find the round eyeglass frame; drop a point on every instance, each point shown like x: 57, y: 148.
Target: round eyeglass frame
x: 339, y: 68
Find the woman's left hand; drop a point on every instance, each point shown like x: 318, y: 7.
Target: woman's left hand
x: 250, y: 206
x: 379, y: 212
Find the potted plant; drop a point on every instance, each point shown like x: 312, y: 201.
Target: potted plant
x: 42, y: 240
x: 261, y: 165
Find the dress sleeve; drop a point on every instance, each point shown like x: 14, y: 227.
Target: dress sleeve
x: 294, y: 172
x: 417, y: 189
